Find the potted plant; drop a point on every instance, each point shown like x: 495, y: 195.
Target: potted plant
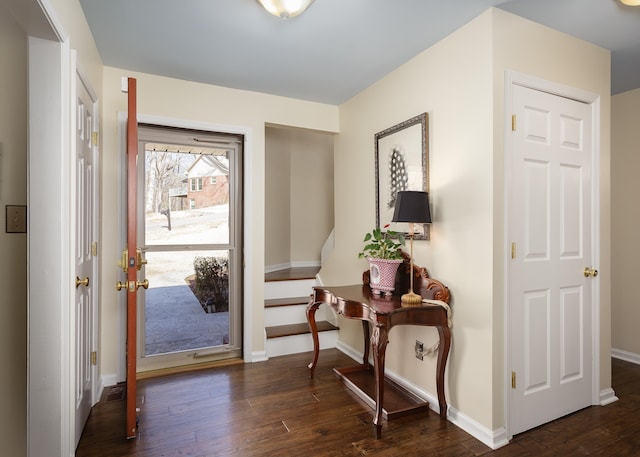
x: 383, y: 251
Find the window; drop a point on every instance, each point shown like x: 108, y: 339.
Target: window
x: 213, y: 180
x: 192, y: 203
x: 196, y: 184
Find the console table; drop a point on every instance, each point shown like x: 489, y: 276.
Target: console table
x: 382, y: 314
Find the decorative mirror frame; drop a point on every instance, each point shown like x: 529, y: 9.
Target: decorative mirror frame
x: 402, y: 163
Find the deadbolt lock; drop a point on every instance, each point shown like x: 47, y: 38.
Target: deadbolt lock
x: 136, y: 261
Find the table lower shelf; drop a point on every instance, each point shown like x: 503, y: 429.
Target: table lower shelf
x: 397, y: 401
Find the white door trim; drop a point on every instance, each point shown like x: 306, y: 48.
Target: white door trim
x: 513, y: 78
x: 50, y: 264
x: 51, y: 267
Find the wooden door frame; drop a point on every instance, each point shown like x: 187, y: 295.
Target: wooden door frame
x: 518, y: 79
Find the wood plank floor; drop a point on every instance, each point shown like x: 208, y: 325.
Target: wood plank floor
x: 273, y: 409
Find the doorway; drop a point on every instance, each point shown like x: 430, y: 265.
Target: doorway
x: 190, y: 234
x: 554, y: 250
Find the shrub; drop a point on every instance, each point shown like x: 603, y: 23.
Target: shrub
x: 212, y: 283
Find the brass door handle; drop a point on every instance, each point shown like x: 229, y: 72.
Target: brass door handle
x: 82, y: 282
x: 590, y: 272
x: 130, y: 285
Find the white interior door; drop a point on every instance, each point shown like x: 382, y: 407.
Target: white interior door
x: 85, y: 256
x: 551, y: 300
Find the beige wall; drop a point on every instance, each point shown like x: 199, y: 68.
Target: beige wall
x: 195, y: 102
x: 277, y: 249
x: 529, y: 48
x: 311, y: 194
x: 67, y: 15
x: 71, y: 18
x: 452, y: 82
x: 13, y: 247
x: 625, y: 220
x: 298, y: 195
x: 460, y: 82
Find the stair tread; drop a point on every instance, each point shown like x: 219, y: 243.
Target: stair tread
x: 273, y: 302
x: 292, y: 274
x: 297, y: 329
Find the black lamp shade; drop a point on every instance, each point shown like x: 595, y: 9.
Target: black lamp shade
x: 412, y: 206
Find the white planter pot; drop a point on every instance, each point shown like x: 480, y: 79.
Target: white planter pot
x: 382, y: 275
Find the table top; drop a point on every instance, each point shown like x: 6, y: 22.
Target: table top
x: 350, y: 301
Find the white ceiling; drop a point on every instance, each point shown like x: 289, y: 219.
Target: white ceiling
x: 336, y: 48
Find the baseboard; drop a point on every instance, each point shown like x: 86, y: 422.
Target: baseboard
x: 98, y: 395
x: 607, y: 396
x: 277, y: 267
x: 494, y: 439
x: 625, y: 355
x: 286, y: 265
x: 258, y: 356
x: 305, y: 264
x: 107, y: 380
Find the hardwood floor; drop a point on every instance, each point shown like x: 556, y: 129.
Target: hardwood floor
x: 273, y: 409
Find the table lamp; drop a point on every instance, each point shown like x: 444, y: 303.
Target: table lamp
x: 412, y: 207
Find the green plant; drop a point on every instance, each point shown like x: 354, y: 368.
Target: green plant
x: 383, y: 245
x: 212, y: 282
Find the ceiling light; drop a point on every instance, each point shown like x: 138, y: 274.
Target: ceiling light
x: 285, y: 9
x: 631, y: 2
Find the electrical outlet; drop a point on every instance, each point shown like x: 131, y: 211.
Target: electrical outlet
x: 419, y: 349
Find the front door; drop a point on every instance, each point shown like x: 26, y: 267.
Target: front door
x: 131, y: 261
x: 190, y: 230
x: 85, y: 256
x: 551, y: 295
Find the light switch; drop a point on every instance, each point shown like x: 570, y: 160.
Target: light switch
x: 16, y: 221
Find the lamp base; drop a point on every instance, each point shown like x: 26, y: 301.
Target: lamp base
x: 411, y: 299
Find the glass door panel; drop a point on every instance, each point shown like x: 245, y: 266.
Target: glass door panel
x: 191, y: 309
x: 187, y: 303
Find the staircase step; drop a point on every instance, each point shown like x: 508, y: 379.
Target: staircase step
x: 297, y: 329
x: 289, y: 274
x: 285, y: 289
x: 288, y: 301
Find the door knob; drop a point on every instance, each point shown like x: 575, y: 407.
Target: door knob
x: 590, y: 272
x: 132, y: 285
x: 82, y: 282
